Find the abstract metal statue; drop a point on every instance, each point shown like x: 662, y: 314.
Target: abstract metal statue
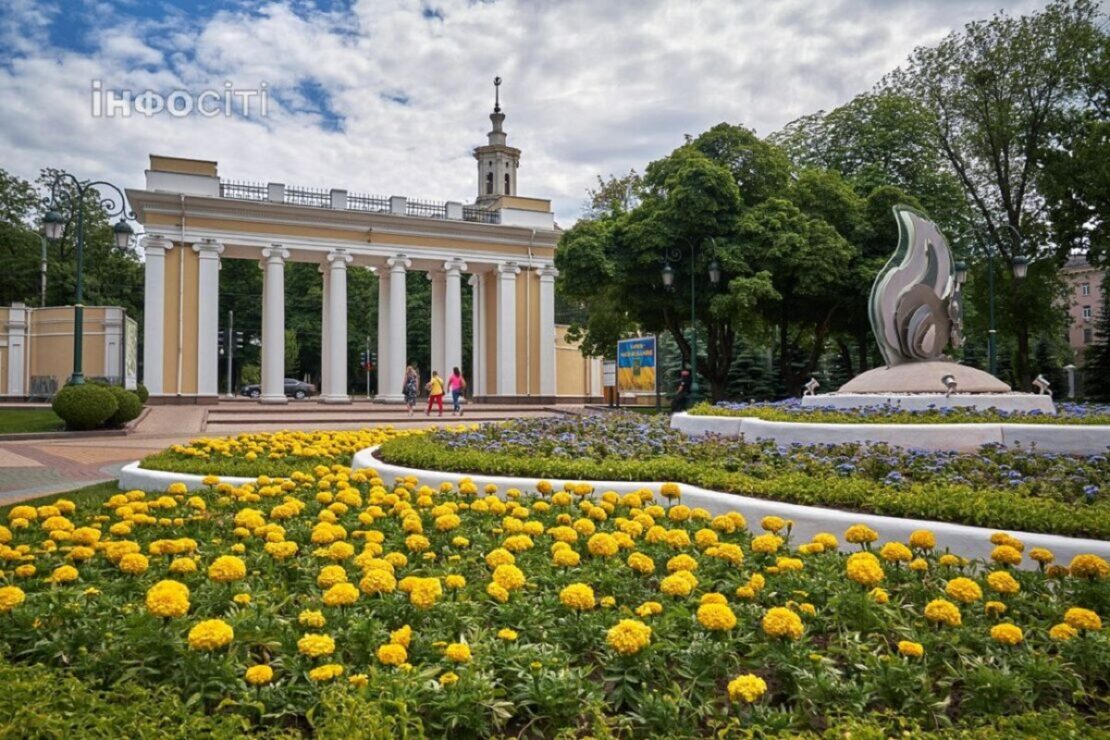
x: 916, y: 308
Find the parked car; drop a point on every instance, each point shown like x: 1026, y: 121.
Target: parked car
x: 293, y: 389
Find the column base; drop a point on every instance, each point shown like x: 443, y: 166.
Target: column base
x: 335, y: 399
x: 274, y: 400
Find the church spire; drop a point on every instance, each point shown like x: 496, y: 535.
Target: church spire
x: 497, y: 161
x: 497, y: 136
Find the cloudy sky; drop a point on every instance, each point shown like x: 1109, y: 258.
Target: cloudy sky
x: 389, y: 97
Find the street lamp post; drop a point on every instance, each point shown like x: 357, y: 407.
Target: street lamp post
x: 675, y: 255
x: 1020, y: 267
x: 54, y: 225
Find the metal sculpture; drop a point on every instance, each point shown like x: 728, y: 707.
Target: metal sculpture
x: 916, y: 309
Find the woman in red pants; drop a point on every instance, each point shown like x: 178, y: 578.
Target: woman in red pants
x: 435, y: 393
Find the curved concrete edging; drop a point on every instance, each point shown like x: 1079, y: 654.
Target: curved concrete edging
x: 131, y: 476
x: 967, y: 541
x: 1056, y: 438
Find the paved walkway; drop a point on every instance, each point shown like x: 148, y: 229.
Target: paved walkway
x: 32, y: 468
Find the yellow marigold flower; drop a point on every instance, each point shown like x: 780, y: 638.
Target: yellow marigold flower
x: 766, y: 543
x: 509, y: 577
x: 401, y: 636
x: 134, y: 563
x: 747, y: 688
x: 359, y: 680
x: 919, y: 565
x: 227, y: 568
x: 64, y: 574
x: 1082, y: 619
x: 326, y: 672
x: 331, y: 575
x: 860, y: 534
x: 26, y: 571
x: 773, y: 524
x: 11, y: 597
x: 454, y: 581
x: 602, y: 545
x: 879, y: 595
x: 716, y: 617
x: 179, y: 489
x: 211, y: 634
x: 895, y: 552
x: 392, y: 654
x: 426, y: 591
x: 341, y: 594
x: 1002, y: 582
x: 507, y: 634
x: 641, y: 563
x: 864, y: 569
x: 787, y: 565
x: 681, y: 583
x: 1042, y: 555
x: 629, y: 636
x: 950, y: 561
x: 566, y: 558
x: 259, y: 675
x: 1089, y: 566
x: 649, y: 609
x: 499, y: 557
x: 994, y: 608
x: 1062, y: 632
x: 910, y: 649
x: 941, y: 611
x: 281, y: 550
x: 377, y: 581
x: 1006, y: 555
x: 670, y: 490
x: 780, y: 622
x: 964, y: 590
x: 577, y: 596
x: 450, y: 678
x: 826, y: 540
x: 458, y: 652
x: 315, y: 646
x: 1007, y: 634
x: 183, y: 566
x: 1005, y: 538
x: 681, y: 562
x: 922, y: 539
x: 310, y: 618
x: 168, y: 599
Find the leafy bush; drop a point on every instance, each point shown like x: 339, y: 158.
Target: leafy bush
x: 142, y: 392
x: 128, y: 406
x: 85, y: 406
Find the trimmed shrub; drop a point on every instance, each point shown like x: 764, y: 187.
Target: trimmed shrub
x: 85, y: 406
x: 128, y: 406
x: 142, y: 393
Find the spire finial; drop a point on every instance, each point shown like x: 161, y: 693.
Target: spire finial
x: 496, y: 94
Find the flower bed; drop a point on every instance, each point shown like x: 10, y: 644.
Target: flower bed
x: 1006, y: 489
x: 792, y: 410
x: 266, y: 453
x: 540, y: 613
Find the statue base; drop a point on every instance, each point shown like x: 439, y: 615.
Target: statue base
x: 919, y: 386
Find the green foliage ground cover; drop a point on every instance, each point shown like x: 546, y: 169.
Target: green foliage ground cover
x: 26, y: 420
x: 1005, y: 489
x: 1066, y: 414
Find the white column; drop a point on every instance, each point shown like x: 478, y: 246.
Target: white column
x: 548, y: 273
x: 273, y: 324
x: 338, y: 259
x: 439, y: 289
x: 208, y: 316
x: 452, y: 316
x: 325, y: 354
x: 385, y: 380
x: 477, y: 385
x: 113, y: 343
x: 398, y: 326
x: 154, y: 310
x: 18, y: 320
x: 506, y: 328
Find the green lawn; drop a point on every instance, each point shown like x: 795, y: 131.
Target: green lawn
x: 79, y: 496
x: 16, y: 421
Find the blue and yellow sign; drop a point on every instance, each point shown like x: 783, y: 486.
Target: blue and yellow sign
x: 636, y: 365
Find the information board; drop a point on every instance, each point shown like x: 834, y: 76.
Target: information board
x: 636, y: 365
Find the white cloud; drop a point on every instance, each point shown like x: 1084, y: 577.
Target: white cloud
x: 590, y: 87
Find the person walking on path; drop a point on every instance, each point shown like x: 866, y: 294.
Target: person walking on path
x: 435, y: 393
x: 410, y: 388
x: 682, y: 394
x: 456, y: 384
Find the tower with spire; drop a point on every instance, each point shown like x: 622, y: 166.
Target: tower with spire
x: 497, y: 161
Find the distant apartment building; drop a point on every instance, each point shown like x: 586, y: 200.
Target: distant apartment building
x: 1084, y: 303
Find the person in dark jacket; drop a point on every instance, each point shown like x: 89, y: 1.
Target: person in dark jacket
x: 682, y: 393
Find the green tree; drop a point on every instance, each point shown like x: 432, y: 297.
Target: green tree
x: 994, y: 90
x: 1096, y: 365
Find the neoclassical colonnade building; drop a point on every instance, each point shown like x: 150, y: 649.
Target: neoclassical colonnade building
x: 502, y: 244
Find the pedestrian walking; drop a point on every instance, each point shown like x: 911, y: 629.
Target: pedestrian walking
x: 456, y: 384
x: 435, y: 393
x: 682, y: 393
x: 410, y: 387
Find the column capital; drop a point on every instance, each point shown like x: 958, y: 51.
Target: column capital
x: 155, y: 242
x: 548, y: 272
x: 454, y: 265
x: 339, y: 258
x: 275, y: 253
x: 506, y: 269
x: 209, y: 249
x: 399, y: 263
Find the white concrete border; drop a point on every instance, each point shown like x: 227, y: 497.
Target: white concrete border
x: 132, y: 477
x: 1075, y: 439
x: 1022, y: 402
x: 969, y: 542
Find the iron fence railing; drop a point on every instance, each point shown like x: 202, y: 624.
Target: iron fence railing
x: 479, y: 215
x: 372, y: 203
x: 242, y: 190
x: 425, y: 209
x: 315, y: 197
